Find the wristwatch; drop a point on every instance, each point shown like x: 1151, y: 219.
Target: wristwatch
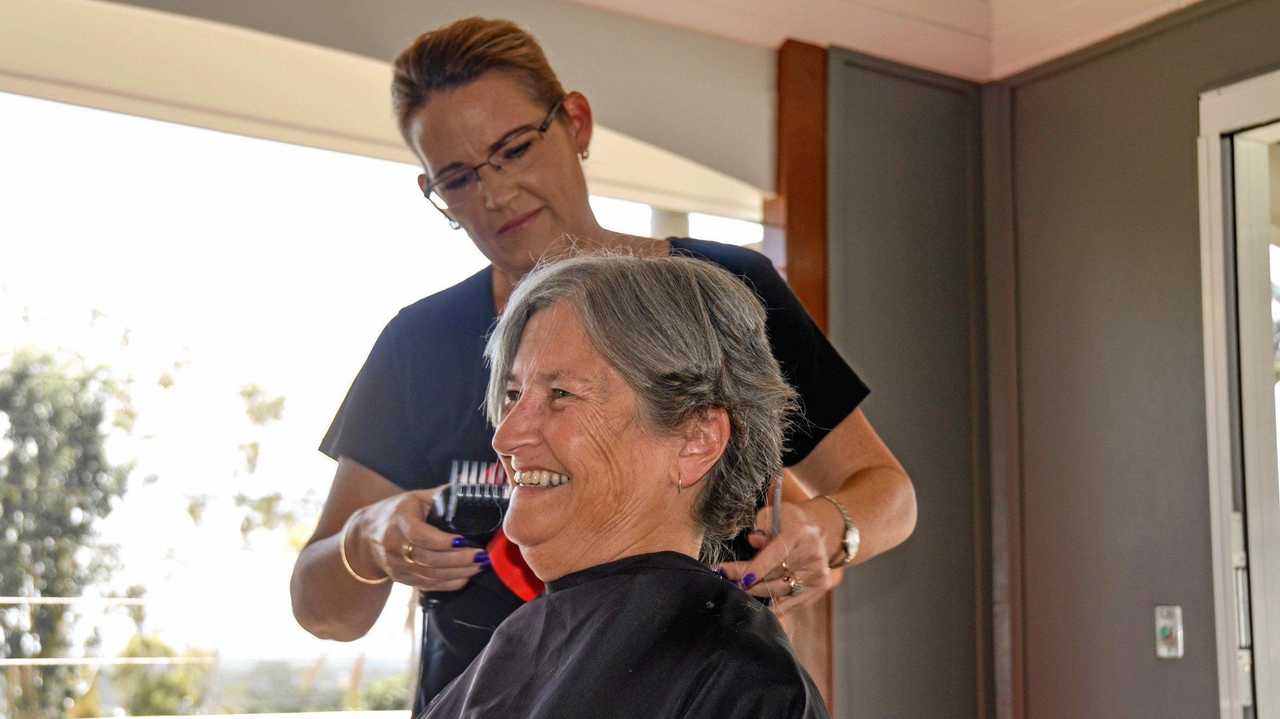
x: 851, y: 539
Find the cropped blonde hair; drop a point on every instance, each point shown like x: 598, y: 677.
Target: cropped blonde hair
x: 458, y: 53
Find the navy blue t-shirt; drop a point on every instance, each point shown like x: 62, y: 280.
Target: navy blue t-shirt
x: 416, y: 406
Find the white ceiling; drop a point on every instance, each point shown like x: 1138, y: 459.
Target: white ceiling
x: 261, y: 84
x: 973, y: 39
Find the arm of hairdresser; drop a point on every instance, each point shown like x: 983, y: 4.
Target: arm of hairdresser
x: 853, y: 466
x: 327, y: 600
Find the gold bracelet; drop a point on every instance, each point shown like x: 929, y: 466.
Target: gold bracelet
x: 342, y: 553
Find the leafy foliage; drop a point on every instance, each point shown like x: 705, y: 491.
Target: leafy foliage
x: 177, y: 688
x: 55, y: 483
x: 262, y: 410
x: 393, y: 692
x: 278, y: 686
x: 264, y: 512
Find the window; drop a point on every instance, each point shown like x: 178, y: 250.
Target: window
x: 726, y: 229
x: 229, y: 288
x: 625, y: 216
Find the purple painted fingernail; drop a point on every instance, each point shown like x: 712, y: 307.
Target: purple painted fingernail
x: 748, y: 579
x: 481, y: 557
x: 458, y: 542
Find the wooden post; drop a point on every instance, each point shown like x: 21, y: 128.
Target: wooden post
x: 800, y: 207
x: 797, y: 219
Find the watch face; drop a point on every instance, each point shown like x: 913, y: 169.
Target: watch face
x: 852, y: 539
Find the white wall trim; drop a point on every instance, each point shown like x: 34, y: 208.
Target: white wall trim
x: 1213, y: 283
x: 190, y: 71
x: 196, y: 72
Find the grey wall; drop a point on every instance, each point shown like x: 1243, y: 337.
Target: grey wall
x: 905, y: 310
x: 1105, y: 234
x: 705, y: 98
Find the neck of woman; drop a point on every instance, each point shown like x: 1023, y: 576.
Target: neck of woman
x: 550, y: 561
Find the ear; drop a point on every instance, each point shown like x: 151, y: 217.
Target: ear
x: 581, y: 122
x: 705, y: 437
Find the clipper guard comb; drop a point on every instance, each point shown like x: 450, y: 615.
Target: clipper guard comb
x: 474, y: 502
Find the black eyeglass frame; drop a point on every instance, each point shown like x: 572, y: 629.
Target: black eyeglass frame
x: 541, y: 129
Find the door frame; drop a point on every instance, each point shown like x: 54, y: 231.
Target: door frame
x: 1223, y: 112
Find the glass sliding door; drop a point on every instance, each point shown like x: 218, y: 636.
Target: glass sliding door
x: 1255, y: 169
x: 1239, y: 161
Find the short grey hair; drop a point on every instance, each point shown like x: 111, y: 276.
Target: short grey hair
x: 686, y: 336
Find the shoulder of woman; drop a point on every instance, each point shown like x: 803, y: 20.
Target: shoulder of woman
x: 465, y: 309
x: 748, y: 626
x: 753, y: 268
x: 755, y: 678
x: 468, y: 293
x: 731, y: 257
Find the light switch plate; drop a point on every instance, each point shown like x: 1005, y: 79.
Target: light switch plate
x: 1169, y: 632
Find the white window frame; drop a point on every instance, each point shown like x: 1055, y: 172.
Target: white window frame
x: 1223, y: 112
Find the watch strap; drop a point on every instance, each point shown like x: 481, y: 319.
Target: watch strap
x: 844, y: 538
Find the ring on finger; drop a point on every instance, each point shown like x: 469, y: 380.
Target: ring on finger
x: 796, y: 586
x: 406, y: 551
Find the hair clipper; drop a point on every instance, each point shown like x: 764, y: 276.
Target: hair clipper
x: 474, y: 501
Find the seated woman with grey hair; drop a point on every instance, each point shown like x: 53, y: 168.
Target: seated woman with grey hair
x: 640, y: 415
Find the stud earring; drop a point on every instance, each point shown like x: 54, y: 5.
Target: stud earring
x: 584, y: 155
x: 455, y: 225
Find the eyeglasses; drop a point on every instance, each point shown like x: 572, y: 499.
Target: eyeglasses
x: 514, y: 153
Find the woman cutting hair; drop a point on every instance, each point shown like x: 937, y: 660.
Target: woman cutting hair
x: 639, y: 413
x: 501, y: 145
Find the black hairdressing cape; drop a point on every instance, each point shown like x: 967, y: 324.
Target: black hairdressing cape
x: 655, y: 635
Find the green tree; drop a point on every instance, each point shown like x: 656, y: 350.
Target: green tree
x: 55, y: 483
x: 268, y: 511
x: 278, y: 686
x: 264, y: 512
x: 177, y: 688
x: 393, y: 692
x: 261, y: 409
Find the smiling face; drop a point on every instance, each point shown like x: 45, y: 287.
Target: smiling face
x: 570, y: 416
x: 517, y: 217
